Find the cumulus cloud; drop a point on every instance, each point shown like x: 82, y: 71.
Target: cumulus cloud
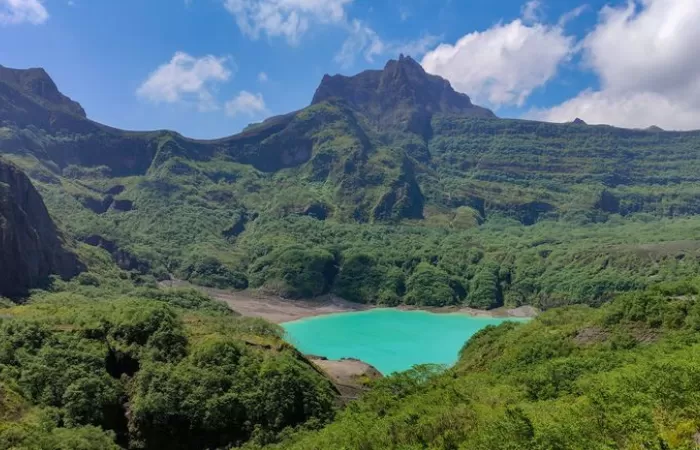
x: 505, y: 63
x: 627, y: 110
x: 246, y: 103
x: 186, y: 78
x: 363, y: 41
x: 262, y: 77
x: 14, y: 12
x: 646, y: 56
x: 284, y: 18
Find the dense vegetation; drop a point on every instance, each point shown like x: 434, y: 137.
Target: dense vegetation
x: 98, y: 363
x: 392, y: 196
x: 389, y: 197
x: 624, y: 376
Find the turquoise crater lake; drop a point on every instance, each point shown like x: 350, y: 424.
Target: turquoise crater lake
x: 391, y: 340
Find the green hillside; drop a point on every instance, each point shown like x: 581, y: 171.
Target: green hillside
x: 624, y: 376
x: 388, y: 178
x: 100, y: 364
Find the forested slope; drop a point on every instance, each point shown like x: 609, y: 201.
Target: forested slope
x: 389, y: 188
x: 98, y: 363
x: 624, y: 376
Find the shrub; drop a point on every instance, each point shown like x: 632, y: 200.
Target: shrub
x: 430, y: 286
x: 296, y: 272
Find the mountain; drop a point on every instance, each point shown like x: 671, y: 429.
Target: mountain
x: 401, y: 95
x: 30, y: 97
x: 389, y: 181
x: 31, y: 248
x: 38, y: 86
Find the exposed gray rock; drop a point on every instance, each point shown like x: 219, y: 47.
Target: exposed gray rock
x: 31, y: 248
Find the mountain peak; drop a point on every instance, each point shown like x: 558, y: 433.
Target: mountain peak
x: 405, y: 61
x: 38, y: 85
x: 397, y: 94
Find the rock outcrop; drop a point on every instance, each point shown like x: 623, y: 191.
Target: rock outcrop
x: 123, y: 259
x: 30, y: 246
x: 400, y: 94
x: 36, y: 84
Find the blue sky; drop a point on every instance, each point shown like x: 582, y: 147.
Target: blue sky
x: 207, y: 68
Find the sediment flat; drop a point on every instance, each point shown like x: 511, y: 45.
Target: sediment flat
x: 251, y: 303
x: 275, y: 309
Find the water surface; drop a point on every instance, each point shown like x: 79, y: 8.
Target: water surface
x: 389, y: 339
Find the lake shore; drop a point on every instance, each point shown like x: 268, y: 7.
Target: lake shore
x: 278, y: 310
x: 347, y: 374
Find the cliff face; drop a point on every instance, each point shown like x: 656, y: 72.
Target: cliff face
x: 30, y: 247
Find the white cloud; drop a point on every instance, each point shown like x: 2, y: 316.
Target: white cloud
x: 363, y: 41
x: 262, y: 77
x: 532, y: 11
x: 629, y: 110
x: 503, y: 64
x: 284, y: 18
x: 186, y: 78
x: 246, y: 103
x: 646, y: 56
x: 14, y: 12
x: 571, y: 15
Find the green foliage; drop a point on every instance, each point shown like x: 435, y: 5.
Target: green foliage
x: 88, y: 279
x: 430, y: 286
x: 624, y: 376
x: 46, y: 435
x: 156, y: 369
x: 209, y: 271
x: 222, y: 394
x: 190, y: 299
x: 548, y: 204
x: 362, y: 279
x: 485, y: 292
x: 295, y: 272
x: 378, y: 206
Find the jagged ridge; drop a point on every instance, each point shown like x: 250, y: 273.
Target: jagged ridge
x: 400, y: 94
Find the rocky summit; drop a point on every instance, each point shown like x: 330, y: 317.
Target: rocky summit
x: 401, y: 95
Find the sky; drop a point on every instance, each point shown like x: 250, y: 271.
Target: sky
x: 208, y: 68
